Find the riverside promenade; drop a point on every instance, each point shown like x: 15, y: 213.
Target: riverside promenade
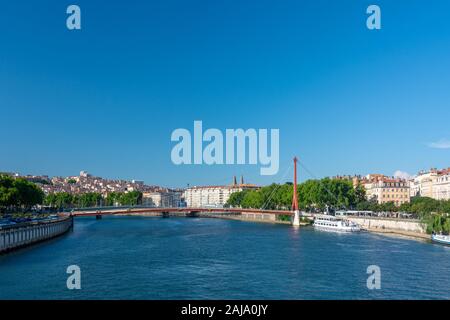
x: 25, y: 234
x: 394, y: 226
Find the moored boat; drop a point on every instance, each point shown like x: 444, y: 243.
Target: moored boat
x: 332, y: 223
x: 440, y: 238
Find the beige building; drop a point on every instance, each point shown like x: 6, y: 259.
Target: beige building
x: 441, y: 188
x: 162, y: 199
x: 213, y: 196
x: 385, y: 189
x: 433, y: 184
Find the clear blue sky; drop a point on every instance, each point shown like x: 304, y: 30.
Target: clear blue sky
x: 106, y: 99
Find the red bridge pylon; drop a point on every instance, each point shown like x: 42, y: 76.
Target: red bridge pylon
x: 296, y: 218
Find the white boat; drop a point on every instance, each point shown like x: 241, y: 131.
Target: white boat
x: 440, y: 238
x: 332, y: 223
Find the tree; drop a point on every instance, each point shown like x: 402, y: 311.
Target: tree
x: 131, y: 198
x: 388, y: 207
x: 369, y: 205
x: 60, y: 200
x: 8, y: 193
x: 446, y: 225
x: 113, y: 198
x: 90, y: 199
x: 252, y: 199
x: 28, y: 194
x: 360, y: 194
x: 433, y: 213
x: 236, y: 198
x: 19, y: 193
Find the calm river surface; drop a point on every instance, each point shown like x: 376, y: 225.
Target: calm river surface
x: 195, y: 258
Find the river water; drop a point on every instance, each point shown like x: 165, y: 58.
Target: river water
x: 200, y: 258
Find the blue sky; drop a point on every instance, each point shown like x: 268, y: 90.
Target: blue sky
x: 106, y: 98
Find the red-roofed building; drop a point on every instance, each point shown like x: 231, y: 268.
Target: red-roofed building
x: 385, y: 189
x: 433, y: 183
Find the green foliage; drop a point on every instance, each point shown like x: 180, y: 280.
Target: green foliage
x: 60, y: 200
x: 40, y: 180
x: 446, y: 225
x: 368, y: 205
x: 93, y: 199
x: 90, y: 199
x: 433, y: 213
x: 252, y: 199
x: 8, y: 194
x: 132, y: 198
x: 425, y: 206
x: 19, y: 193
x: 67, y: 200
x: 284, y: 218
x: 29, y: 194
x: 437, y: 223
x: 312, y: 195
x: 236, y: 198
x: 113, y: 199
x: 334, y: 193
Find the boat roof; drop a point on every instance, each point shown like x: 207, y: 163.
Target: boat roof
x: 326, y: 216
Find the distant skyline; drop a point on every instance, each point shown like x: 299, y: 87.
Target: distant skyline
x: 106, y: 98
x: 397, y: 174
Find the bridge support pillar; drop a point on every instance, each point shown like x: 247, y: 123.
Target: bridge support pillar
x: 296, y: 219
x: 192, y: 214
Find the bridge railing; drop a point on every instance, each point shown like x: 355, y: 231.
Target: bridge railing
x: 129, y: 210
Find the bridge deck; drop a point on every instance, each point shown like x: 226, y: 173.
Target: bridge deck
x: 179, y: 210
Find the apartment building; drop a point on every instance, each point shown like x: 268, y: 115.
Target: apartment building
x: 385, y: 189
x: 213, y: 196
x: 163, y: 199
x: 433, y: 183
x: 441, y: 188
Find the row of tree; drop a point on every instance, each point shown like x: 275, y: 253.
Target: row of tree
x: 18, y: 194
x: 419, y: 206
x: 434, y: 213
x: 437, y: 223
x: 93, y: 199
x: 313, y: 195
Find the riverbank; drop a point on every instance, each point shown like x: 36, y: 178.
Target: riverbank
x: 390, y: 226
x: 400, y: 233
x: 26, y: 234
x: 392, y: 232
x: 249, y: 219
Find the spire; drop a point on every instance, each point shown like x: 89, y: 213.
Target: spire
x: 234, y: 181
x: 242, y: 179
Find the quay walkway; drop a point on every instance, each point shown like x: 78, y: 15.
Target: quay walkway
x: 24, y: 234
